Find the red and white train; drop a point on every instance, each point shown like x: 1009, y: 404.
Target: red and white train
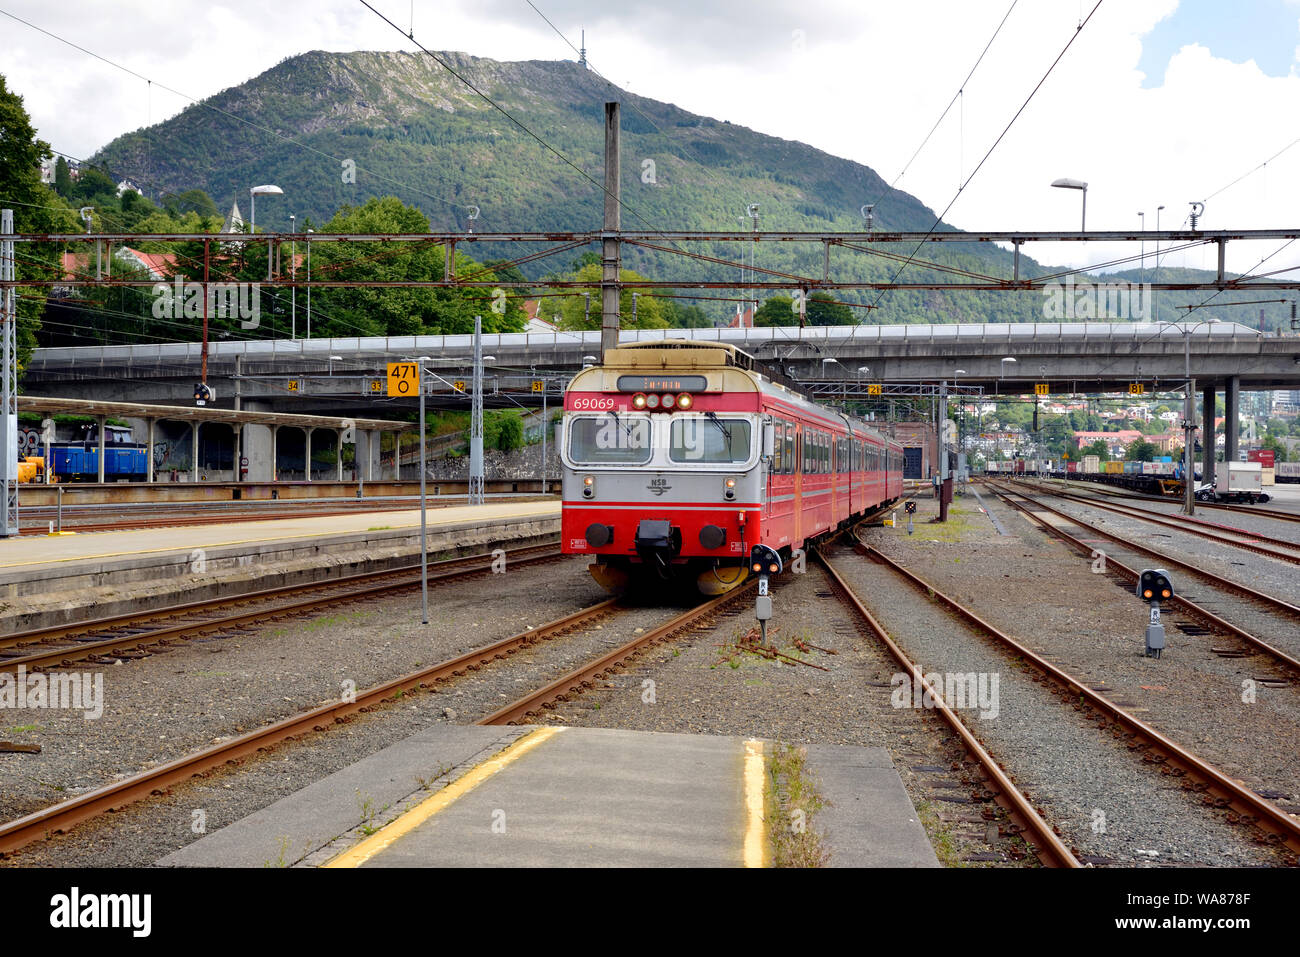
x: 680, y: 456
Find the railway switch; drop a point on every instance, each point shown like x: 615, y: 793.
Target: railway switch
x: 1154, y: 587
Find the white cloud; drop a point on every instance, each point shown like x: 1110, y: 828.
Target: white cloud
x: 868, y: 83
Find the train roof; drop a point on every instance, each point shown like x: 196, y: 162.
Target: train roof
x: 687, y: 354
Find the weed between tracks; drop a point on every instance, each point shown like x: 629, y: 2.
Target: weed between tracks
x: 791, y: 802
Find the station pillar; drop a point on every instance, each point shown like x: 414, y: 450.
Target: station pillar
x: 275, y: 449
x: 306, y: 451
x: 102, y: 419
x: 367, y: 454
x: 148, y: 451
x: 1207, y: 435
x: 236, y: 430
x: 338, y: 455
x: 1231, y: 421
x: 194, y: 450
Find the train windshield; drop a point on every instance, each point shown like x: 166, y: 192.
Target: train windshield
x: 610, y: 440
x: 709, y: 441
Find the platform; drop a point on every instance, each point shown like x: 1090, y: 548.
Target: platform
x: 143, y: 567
x: 567, y: 797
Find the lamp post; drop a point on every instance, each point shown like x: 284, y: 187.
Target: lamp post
x: 1155, y: 300
x: 293, y: 277
x: 333, y: 359
x: 270, y: 189
x: 1142, y: 246
x: 1083, y: 188
x: 1189, y: 418
x: 254, y: 192
x: 309, y: 232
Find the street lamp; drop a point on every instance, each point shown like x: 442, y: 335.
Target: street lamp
x: 256, y: 191
x: 293, y: 277
x: 334, y: 359
x: 309, y: 232
x: 1142, y: 246
x: 1083, y: 188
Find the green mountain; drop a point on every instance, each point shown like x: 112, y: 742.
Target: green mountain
x: 334, y: 129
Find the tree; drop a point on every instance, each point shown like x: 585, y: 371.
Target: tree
x: 1278, y: 448
x: 777, y: 311
x: 822, y: 310
x: 37, y: 209
x: 1097, y: 448
x: 575, y: 313
x: 1140, y: 450
x: 62, y: 178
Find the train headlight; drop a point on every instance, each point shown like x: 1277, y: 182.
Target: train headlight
x: 588, y: 486
x: 639, y: 400
x: 667, y: 400
x: 685, y: 401
x: 729, y: 488
x: 652, y: 401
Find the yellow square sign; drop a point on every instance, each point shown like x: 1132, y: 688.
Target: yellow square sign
x: 293, y: 385
x: 402, y: 378
x: 875, y: 388
x: 539, y: 385
x: 1136, y: 388
x: 1040, y: 388
x: 376, y: 386
x: 459, y: 385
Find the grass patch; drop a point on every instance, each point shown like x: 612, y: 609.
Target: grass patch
x: 944, y: 847
x: 791, y: 802
x: 953, y: 530
x: 19, y: 729
x: 379, y: 528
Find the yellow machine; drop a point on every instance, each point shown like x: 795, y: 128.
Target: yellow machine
x: 31, y: 469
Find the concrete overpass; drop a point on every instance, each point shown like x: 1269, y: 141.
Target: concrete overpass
x: 344, y: 376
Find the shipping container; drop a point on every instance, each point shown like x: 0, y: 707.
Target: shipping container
x: 1091, y: 464
x: 1287, y: 471
x: 1264, y: 457
x: 1114, y: 468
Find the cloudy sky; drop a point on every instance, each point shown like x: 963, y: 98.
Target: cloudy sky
x: 1156, y: 103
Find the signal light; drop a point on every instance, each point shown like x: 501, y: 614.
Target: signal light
x: 588, y: 481
x: 1154, y: 585
x: 668, y: 400
x: 652, y: 401
x: 731, y: 483
x: 639, y: 400
x: 685, y: 401
x: 764, y: 560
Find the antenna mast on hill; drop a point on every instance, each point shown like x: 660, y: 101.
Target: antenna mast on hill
x: 582, y: 52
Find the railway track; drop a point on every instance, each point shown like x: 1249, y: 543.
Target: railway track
x: 1197, y: 610
x: 1049, y: 848
x: 60, y: 817
x: 1217, y: 789
x: 1098, y: 489
x: 131, y: 635
x: 1278, y: 548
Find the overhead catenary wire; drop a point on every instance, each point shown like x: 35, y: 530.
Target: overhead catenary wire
x: 1032, y: 93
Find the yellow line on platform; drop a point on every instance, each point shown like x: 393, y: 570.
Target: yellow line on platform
x: 400, y: 827
x: 755, y: 844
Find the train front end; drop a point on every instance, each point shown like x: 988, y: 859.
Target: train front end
x: 662, y: 467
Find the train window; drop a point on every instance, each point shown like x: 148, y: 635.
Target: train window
x: 710, y: 440
x: 791, y: 466
x: 609, y: 440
